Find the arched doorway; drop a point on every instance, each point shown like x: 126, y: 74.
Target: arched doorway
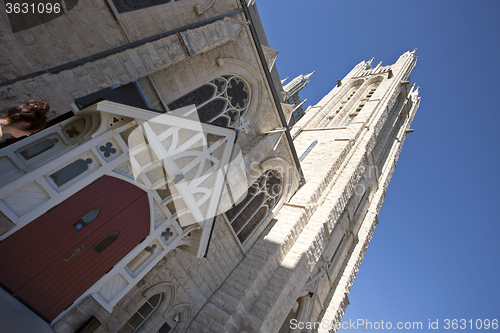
x: 53, y: 260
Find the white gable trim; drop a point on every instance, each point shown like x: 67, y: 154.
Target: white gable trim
x: 93, y: 138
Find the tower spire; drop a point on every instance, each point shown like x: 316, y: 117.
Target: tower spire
x: 307, y: 76
x: 291, y: 96
x: 368, y: 64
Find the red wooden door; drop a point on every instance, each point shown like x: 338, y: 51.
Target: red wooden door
x: 53, y: 260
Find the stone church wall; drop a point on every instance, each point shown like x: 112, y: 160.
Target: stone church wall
x: 306, y: 254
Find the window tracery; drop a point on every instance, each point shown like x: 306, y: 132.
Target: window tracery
x: 262, y: 197
x: 221, y: 101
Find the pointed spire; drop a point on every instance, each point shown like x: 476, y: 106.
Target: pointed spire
x: 283, y: 81
x: 309, y: 75
x: 368, y: 64
x: 408, y: 53
x: 297, y: 84
x: 299, y: 105
x: 291, y: 95
x: 414, y: 91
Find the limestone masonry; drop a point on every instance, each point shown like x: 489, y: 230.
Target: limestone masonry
x: 174, y: 190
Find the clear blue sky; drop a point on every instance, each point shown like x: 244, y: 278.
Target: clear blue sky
x: 435, y: 253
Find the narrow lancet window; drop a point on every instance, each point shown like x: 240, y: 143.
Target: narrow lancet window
x: 308, y: 150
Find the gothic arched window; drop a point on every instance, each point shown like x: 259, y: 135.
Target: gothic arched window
x: 136, y: 321
x: 262, y: 196
x: 221, y: 101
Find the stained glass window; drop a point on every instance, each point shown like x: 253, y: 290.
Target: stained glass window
x: 221, y: 101
x: 262, y: 196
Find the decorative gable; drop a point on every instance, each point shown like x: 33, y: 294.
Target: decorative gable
x: 180, y: 163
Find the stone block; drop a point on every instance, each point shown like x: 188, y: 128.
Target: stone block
x: 9, y: 72
x: 85, y: 79
x: 181, y: 296
x: 137, y: 298
x: 204, y: 319
x: 58, y: 96
x: 174, y: 48
x: 23, y: 63
x: 90, y: 306
x: 134, y: 56
x: 149, y: 326
x: 70, y: 81
x: 217, y: 269
x: 195, y: 293
x: 96, y: 74
x: 162, y: 53
x: 108, y: 72
x: 62, y: 327
x: 153, y: 54
x: 130, y: 69
x: 178, y: 271
x: 196, y: 327
x: 120, y: 314
x: 75, y: 317
x: 101, y: 329
x: 215, y: 327
x: 225, y: 302
x: 116, y: 65
x: 4, y: 57
x: 231, y: 291
x: 148, y: 63
x: 217, y: 314
x: 130, y: 307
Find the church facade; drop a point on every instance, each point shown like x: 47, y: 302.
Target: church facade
x: 170, y: 193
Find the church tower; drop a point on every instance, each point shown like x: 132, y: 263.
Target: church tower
x: 348, y: 145
x: 291, y: 94
x: 185, y: 201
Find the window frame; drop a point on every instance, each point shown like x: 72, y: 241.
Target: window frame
x: 261, y: 189
x: 218, y: 94
x: 144, y: 319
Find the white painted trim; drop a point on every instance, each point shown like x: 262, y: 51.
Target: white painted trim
x: 97, y: 133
